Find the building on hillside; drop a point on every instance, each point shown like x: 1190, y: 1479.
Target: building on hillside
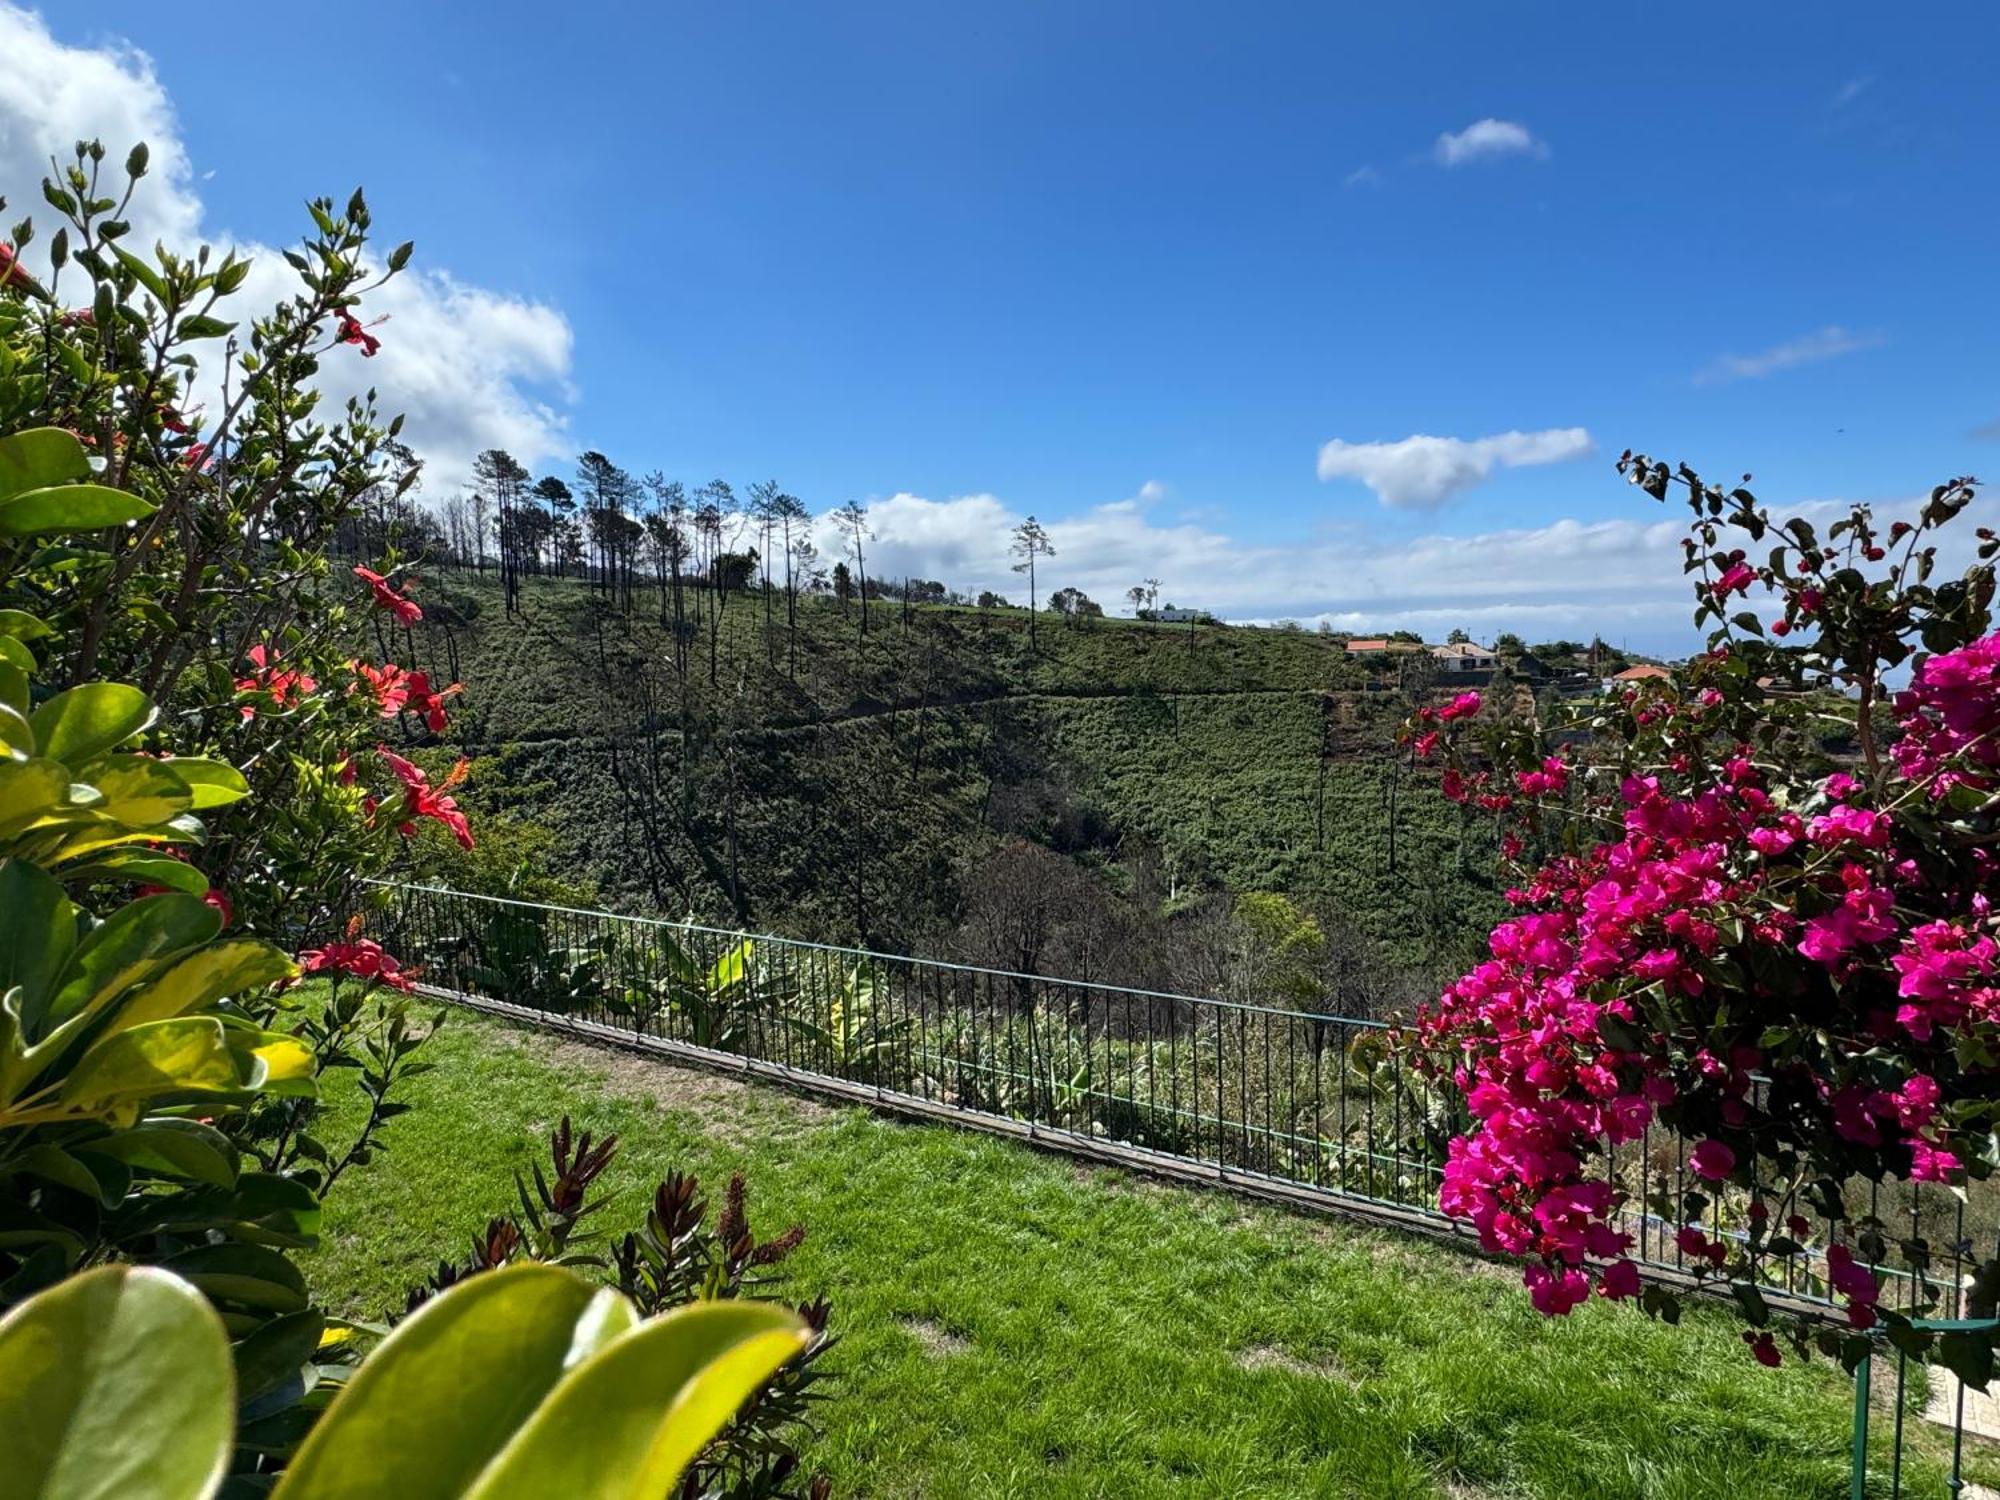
x: 1465, y: 661
x: 1644, y: 672
x: 1376, y: 648
x: 1173, y: 616
x: 1531, y: 668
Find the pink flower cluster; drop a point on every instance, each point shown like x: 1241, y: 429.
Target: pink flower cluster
x: 1643, y: 975
x: 1951, y: 719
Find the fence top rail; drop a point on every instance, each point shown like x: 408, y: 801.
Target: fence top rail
x: 1246, y: 1007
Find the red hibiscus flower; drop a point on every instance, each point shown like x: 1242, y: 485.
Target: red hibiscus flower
x: 422, y: 800
x: 284, y: 687
x: 428, y: 705
x: 361, y: 958
x: 386, y: 597
x: 351, y: 332
x: 388, y: 684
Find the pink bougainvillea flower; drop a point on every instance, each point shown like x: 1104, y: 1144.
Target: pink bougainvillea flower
x: 1713, y: 1160
x: 1464, y: 706
x: 1735, y: 580
x: 1763, y: 1348
x: 401, y: 606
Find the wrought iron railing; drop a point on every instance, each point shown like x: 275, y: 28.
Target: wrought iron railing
x: 1294, y: 1104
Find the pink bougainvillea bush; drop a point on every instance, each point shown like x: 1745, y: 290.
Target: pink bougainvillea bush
x: 1753, y: 910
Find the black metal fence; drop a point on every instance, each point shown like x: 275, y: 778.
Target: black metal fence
x: 1318, y: 1109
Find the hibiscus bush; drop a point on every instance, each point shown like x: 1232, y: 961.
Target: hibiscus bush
x: 1749, y: 1002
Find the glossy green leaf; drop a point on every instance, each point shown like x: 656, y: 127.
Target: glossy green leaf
x: 53, y: 1164
x: 16, y: 738
x: 39, y: 457
x: 70, y: 507
x: 169, y: 1147
x: 142, y: 866
x: 37, y: 929
x: 16, y: 654
x: 625, y: 1423
x: 444, y: 1392
x: 138, y: 791
x: 23, y: 626
x: 235, y: 966
x: 190, y: 1055
x: 134, y: 941
x: 30, y: 790
x: 115, y: 1385
x: 212, y: 783
x: 272, y: 1355
x: 248, y: 1275
x: 83, y: 723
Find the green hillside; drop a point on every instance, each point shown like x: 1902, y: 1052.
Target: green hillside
x: 857, y: 797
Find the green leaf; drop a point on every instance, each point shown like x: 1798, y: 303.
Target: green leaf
x: 248, y: 1275
x: 275, y: 1352
x: 22, y: 625
x: 235, y: 966
x: 138, y: 791
x: 30, y: 790
x: 16, y: 738
x: 16, y: 654
x: 37, y: 930
x: 146, y: 275
x: 53, y: 1164
x: 115, y: 1385
x: 1969, y: 1356
x: 188, y: 1055
x: 83, y: 723
x: 143, y: 867
x: 626, y: 1423
x: 138, y: 938
x: 38, y: 457
x: 168, y: 1147
x: 201, y: 327
x: 213, y: 783
x: 70, y: 507
x: 444, y: 1392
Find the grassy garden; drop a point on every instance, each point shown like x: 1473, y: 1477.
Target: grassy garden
x: 1016, y: 1324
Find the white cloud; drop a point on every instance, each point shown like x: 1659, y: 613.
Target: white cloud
x: 1484, y: 140
x: 1568, y: 578
x: 466, y: 364
x: 1830, y: 342
x: 1364, y: 175
x: 1421, y: 472
x: 1851, y: 90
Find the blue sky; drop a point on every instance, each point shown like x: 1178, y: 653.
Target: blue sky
x: 1053, y: 258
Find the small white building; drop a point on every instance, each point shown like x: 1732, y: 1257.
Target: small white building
x: 1465, y: 659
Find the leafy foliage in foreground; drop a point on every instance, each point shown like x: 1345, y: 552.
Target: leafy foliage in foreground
x: 675, y: 1258
x: 528, y: 1381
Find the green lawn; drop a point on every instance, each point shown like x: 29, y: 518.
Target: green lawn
x: 1014, y: 1324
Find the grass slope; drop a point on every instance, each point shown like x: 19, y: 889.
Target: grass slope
x: 1016, y: 1325
x: 845, y: 802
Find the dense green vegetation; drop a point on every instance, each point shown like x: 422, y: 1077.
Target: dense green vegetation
x: 859, y: 797
x: 1014, y: 1325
